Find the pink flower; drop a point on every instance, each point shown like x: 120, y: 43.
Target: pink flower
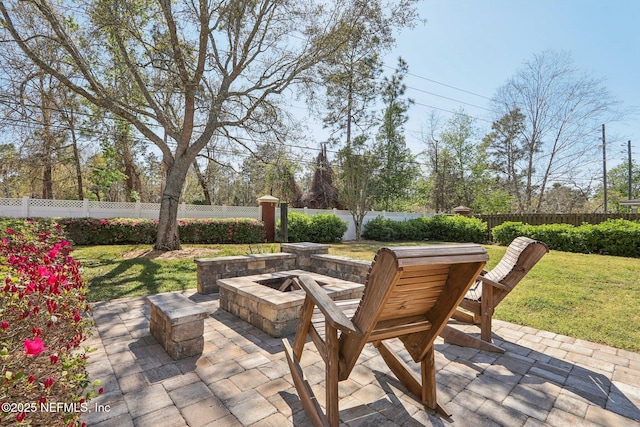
x: 34, y: 347
x: 54, y: 359
x: 31, y: 379
x: 5, y: 325
x: 48, y: 382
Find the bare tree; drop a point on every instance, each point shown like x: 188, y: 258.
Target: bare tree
x: 562, y: 109
x: 197, y: 69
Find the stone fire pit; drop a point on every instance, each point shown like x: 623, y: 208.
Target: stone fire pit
x: 257, y: 299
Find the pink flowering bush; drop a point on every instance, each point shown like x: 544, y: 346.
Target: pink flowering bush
x: 43, y: 312
x: 88, y: 231
x: 221, y: 230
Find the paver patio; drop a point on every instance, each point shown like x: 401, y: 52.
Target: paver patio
x: 242, y: 379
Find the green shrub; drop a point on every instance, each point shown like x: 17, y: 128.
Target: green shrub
x: 326, y: 228
x: 380, y: 229
x: 613, y: 237
x: 457, y: 228
x: 617, y: 237
x: 440, y: 227
x: 561, y: 237
x: 504, y: 233
x: 321, y: 228
x: 298, y: 227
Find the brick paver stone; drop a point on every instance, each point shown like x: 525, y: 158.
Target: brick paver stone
x: 242, y: 379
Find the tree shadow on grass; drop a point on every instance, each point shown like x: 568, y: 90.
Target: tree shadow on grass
x: 125, y: 278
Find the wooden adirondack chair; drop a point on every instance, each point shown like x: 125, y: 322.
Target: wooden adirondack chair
x: 490, y: 289
x: 410, y: 294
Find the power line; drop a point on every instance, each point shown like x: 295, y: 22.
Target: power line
x: 442, y: 84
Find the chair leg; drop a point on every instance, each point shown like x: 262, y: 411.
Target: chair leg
x: 424, y: 390
x: 331, y: 375
x: 486, y: 313
x: 307, y: 397
x: 306, y: 312
x: 428, y: 368
x: 485, y: 325
x: 457, y: 337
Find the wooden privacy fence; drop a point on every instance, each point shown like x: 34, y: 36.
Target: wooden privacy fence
x: 550, y: 218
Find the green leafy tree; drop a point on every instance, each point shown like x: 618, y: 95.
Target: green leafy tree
x: 462, y: 176
x: 508, y: 156
x: 10, y: 171
x: 350, y: 75
x: 618, y: 187
x: 196, y: 70
x: 104, y: 173
x: 398, y: 169
x: 357, y: 169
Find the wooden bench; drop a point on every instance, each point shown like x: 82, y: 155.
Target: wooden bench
x: 177, y: 324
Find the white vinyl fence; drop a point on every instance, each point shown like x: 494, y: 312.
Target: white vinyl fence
x: 43, y: 208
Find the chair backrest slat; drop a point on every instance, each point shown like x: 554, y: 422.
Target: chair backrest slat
x: 521, y: 255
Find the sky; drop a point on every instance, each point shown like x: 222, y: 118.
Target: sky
x: 467, y: 49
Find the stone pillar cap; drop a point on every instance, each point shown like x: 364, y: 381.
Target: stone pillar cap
x: 268, y: 199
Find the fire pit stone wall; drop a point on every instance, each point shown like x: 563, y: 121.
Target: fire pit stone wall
x: 273, y: 311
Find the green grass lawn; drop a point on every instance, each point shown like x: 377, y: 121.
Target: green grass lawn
x: 591, y: 297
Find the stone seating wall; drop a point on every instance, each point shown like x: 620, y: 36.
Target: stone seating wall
x: 311, y: 257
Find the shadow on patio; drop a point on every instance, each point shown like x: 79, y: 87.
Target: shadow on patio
x: 242, y: 378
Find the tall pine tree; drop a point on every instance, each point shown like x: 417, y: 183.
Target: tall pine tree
x: 398, y: 168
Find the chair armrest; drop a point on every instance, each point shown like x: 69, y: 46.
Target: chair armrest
x: 494, y: 284
x: 332, y: 313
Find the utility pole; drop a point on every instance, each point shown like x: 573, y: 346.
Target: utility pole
x: 629, y: 149
x: 604, y: 167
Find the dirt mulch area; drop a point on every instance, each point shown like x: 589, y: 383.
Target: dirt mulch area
x: 169, y: 255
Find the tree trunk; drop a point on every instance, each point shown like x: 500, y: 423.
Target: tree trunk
x: 203, y: 183
x: 47, y: 153
x: 167, y: 238
x: 76, y: 155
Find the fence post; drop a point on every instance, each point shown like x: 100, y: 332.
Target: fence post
x: 85, y: 208
x: 284, y: 223
x: 138, y: 208
x: 24, y: 212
